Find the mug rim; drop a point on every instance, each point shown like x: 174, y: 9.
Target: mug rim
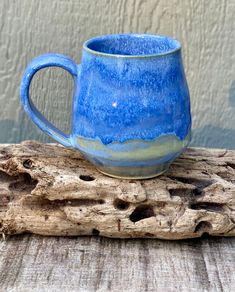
x: 107, y: 36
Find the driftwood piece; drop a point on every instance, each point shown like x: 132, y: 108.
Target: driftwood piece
x: 49, y: 190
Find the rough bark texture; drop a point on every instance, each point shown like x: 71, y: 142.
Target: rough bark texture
x: 49, y: 190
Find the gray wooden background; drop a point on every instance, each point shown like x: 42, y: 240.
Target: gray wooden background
x: 205, y: 28
x: 95, y: 264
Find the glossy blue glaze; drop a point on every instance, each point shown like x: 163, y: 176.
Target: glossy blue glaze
x: 131, y: 98
x: 47, y: 60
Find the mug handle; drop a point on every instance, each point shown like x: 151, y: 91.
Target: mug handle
x: 40, y: 62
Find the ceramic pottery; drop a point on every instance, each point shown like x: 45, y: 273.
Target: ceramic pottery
x: 131, y: 108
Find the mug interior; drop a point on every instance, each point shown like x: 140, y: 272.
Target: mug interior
x: 132, y: 45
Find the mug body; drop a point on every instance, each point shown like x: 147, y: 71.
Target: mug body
x: 131, y: 110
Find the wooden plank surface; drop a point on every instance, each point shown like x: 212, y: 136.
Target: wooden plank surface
x: 36, y: 263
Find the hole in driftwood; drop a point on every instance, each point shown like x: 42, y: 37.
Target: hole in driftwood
x: 95, y: 232
x: 86, y: 177
x: 27, y: 163
x: 200, y: 185
x: 203, y: 226
x: 149, y: 234
x: 213, y: 207
x: 197, y: 192
x: 142, y: 212
x: 81, y: 202
x: 232, y: 165
x: 205, y: 172
x: 48, y: 204
x: 23, y: 183
x: 4, y: 177
x: 120, y: 204
x: 181, y: 192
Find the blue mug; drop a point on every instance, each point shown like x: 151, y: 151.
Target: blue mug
x: 131, y: 107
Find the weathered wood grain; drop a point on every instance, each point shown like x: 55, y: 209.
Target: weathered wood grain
x: 47, y: 189
x: 205, y: 28
x: 34, y: 263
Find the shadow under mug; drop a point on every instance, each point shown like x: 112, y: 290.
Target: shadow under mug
x: 131, y: 107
